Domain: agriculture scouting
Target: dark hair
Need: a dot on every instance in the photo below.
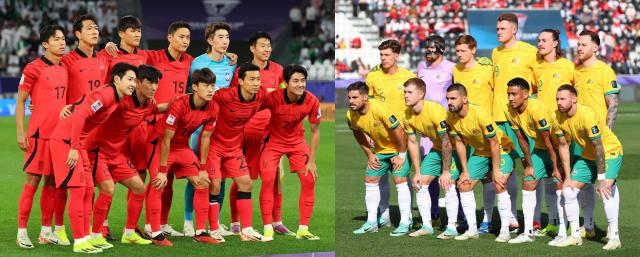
(149, 73)
(555, 35)
(437, 42)
(174, 26)
(212, 28)
(569, 88)
(594, 36)
(246, 67)
(419, 83)
(77, 25)
(204, 75)
(359, 86)
(253, 39)
(518, 82)
(49, 31)
(121, 68)
(457, 87)
(291, 69)
(510, 17)
(467, 40)
(393, 44)
(129, 22)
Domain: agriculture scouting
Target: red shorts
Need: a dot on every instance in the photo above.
(79, 176)
(135, 147)
(110, 166)
(182, 162)
(254, 141)
(37, 158)
(298, 156)
(227, 165)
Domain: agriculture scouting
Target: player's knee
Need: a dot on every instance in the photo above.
(529, 185)
(32, 179)
(214, 188)
(371, 179)
(138, 188)
(399, 180)
(49, 181)
(106, 187)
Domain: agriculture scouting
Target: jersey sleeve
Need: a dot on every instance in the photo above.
(98, 101)
(209, 125)
(28, 79)
(175, 112)
(386, 116)
(315, 113)
(369, 82)
(153, 56)
(541, 119)
(557, 129)
(590, 125)
(408, 128)
(234, 80)
(610, 85)
(450, 128)
(350, 123)
(489, 127)
(440, 116)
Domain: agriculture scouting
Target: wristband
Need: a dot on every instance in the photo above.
(164, 169)
(600, 176)
(204, 167)
(403, 155)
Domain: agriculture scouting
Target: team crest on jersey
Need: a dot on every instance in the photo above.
(542, 122)
(171, 119)
(95, 106)
(392, 119)
(475, 81)
(443, 124)
(515, 60)
(589, 81)
(227, 76)
(438, 76)
(614, 84)
(556, 75)
(595, 129)
(490, 128)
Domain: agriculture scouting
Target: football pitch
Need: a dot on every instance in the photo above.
(322, 222)
(351, 213)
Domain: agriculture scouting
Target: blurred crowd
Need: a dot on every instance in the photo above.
(313, 27)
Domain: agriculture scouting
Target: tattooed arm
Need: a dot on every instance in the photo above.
(612, 109)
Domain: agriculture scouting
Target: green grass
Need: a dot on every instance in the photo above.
(351, 213)
(322, 222)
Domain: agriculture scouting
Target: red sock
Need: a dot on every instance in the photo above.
(232, 202)
(214, 212)
(61, 204)
(201, 207)
(245, 209)
(25, 203)
(88, 209)
(167, 197)
(266, 196)
(307, 191)
(76, 211)
(47, 204)
(277, 203)
(134, 208)
(154, 206)
(100, 208)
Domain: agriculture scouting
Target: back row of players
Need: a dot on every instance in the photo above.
(104, 117)
(524, 103)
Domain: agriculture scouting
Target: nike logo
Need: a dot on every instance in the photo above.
(83, 70)
(231, 110)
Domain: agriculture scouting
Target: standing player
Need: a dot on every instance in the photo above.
(600, 163)
(532, 122)
(43, 80)
(470, 126)
(386, 87)
(429, 119)
(69, 153)
(290, 107)
(373, 119)
(170, 153)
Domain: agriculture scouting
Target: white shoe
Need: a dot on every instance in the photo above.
(224, 231)
(503, 237)
(556, 240)
(169, 231)
(23, 241)
(570, 241)
(250, 234)
(48, 238)
(217, 235)
(522, 238)
(147, 230)
(188, 230)
(467, 235)
(612, 245)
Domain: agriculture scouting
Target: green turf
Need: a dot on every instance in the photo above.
(322, 221)
(351, 213)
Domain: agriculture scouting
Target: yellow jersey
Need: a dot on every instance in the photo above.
(475, 129)
(535, 119)
(593, 84)
(377, 123)
(509, 64)
(431, 122)
(548, 77)
(388, 89)
(583, 127)
(478, 80)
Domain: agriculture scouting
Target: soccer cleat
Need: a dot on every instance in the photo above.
(282, 230)
(249, 234)
(61, 234)
(513, 228)
(522, 238)
(142, 234)
(235, 229)
(503, 237)
(85, 247)
(464, 226)
(205, 238)
(46, 238)
(423, 231)
(367, 227)
(449, 233)
(147, 231)
(24, 241)
(536, 225)
(584, 233)
(548, 230)
(217, 235)
(570, 241)
(168, 230)
(304, 234)
(100, 242)
(188, 230)
(134, 238)
(268, 234)
(106, 233)
(467, 235)
(556, 240)
(384, 222)
(612, 245)
(160, 240)
(401, 230)
(224, 231)
(484, 228)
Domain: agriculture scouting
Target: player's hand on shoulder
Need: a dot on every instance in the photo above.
(112, 49)
(65, 112)
(233, 58)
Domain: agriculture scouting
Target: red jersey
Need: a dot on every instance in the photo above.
(86, 73)
(235, 113)
(270, 78)
(46, 84)
(175, 73)
(88, 113)
(184, 118)
(135, 58)
(112, 134)
(286, 122)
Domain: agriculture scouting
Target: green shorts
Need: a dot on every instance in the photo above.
(575, 152)
(542, 165)
(479, 166)
(432, 165)
(386, 166)
(517, 153)
(586, 171)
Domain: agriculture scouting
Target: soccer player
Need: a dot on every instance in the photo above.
(69, 153)
(550, 72)
(429, 119)
(44, 80)
(513, 58)
(471, 126)
(532, 122)
(290, 107)
(600, 163)
(378, 122)
(171, 154)
(386, 87)
(224, 157)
